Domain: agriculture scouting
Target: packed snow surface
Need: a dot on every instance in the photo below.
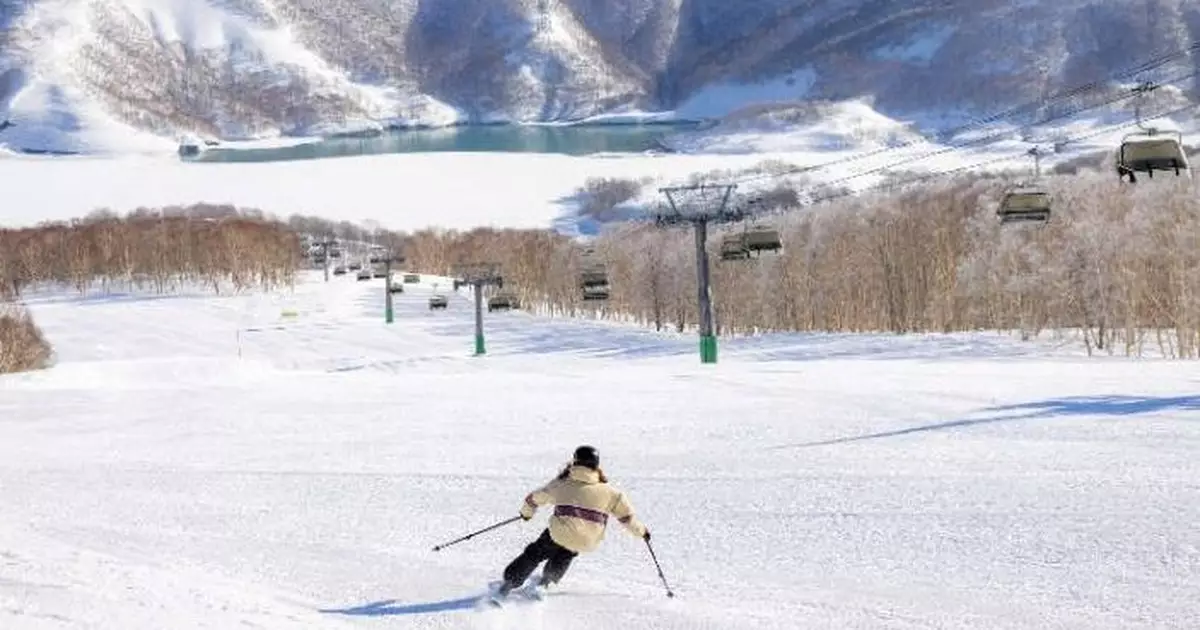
(412, 191)
(290, 460)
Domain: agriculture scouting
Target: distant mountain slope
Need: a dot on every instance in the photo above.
(82, 74)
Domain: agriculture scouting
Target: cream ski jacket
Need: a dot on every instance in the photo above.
(582, 505)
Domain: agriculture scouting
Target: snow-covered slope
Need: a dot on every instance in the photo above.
(442, 190)
(200, 462)
(517, 190)
(798, 128)
(79, 74)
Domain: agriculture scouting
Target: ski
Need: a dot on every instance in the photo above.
(530, 592)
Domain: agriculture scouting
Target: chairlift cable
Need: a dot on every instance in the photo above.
(1029, 107)
(975, 143)
(976, 165)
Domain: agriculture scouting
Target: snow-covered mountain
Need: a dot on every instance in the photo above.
(78, 74)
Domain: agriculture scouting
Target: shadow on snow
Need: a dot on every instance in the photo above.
(523, 333)
(1105, 405)
(389, 607)
(1118, 406)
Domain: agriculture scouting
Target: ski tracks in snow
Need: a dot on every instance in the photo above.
(45, 583)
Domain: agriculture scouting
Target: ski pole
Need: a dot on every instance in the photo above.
(474, 534)
(659, 567)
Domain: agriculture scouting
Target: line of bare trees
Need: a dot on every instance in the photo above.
(211, 246)
(1119, 264)
(215, 246)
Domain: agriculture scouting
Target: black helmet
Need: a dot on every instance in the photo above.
(587, 456)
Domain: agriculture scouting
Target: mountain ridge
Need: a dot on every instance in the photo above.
(89, 74)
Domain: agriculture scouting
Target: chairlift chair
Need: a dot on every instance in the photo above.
(596, 293)
(502, 302)
(593, 276)
(733, 247)
(1025, 205)
(1028, 202)
(762, 238)
(1152, 150)
(593, 279)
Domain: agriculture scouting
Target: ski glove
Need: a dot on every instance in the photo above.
(646, 536)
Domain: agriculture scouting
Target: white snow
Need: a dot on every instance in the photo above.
(44, 101)
(202, 462)
(52, 112)
(523, 190)
(271, 143)
(797, 127)
(468, 190)
(628, 116)
(715, 101)
(921, 48)
(401, 191)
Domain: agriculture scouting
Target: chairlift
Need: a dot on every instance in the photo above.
(1028, 202)
(1152, 150)
(596, 293)
(761, 238)
(1025, 205)
(593, 276)
(733, 247)
(502, 302)
(593, 279)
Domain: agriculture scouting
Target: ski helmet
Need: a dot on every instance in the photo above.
(587, 456)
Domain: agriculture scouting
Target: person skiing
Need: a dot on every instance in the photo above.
(583, 501)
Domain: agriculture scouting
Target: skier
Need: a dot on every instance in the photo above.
(583, 501)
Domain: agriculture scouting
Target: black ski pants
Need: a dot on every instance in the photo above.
(544, 549)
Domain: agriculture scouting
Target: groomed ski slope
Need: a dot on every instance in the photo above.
(155, 479)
